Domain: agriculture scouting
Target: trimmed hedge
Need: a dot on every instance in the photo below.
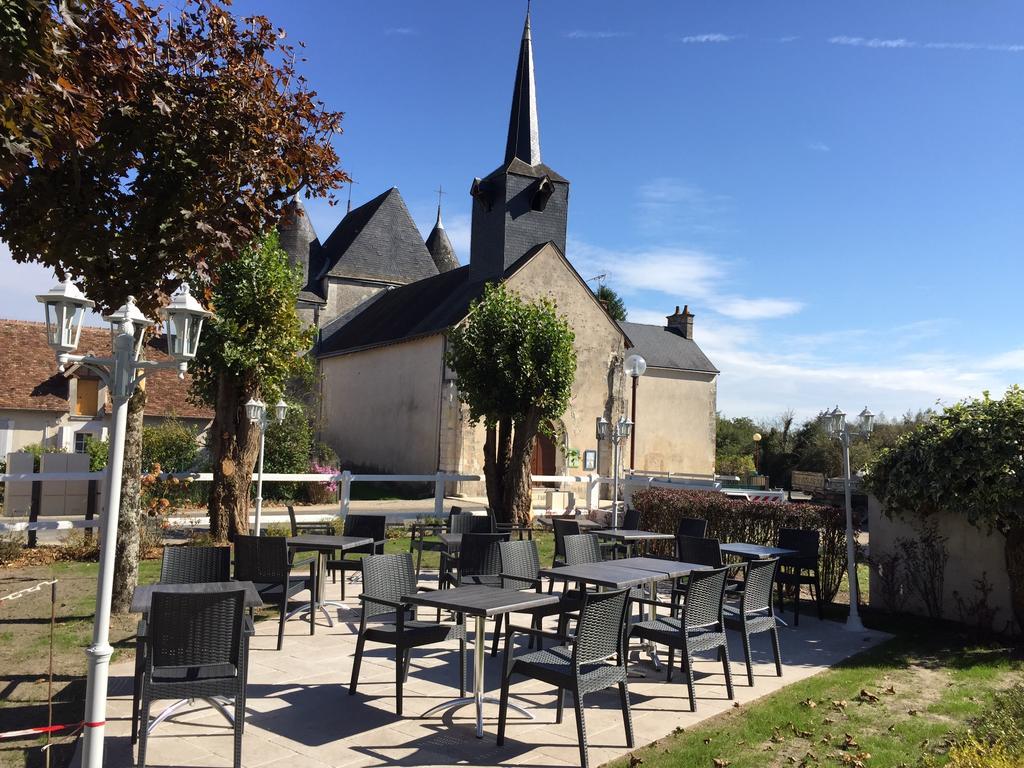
(756, 522)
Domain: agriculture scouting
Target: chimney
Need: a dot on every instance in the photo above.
(681, 322)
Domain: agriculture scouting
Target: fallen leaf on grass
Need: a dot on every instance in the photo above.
(891, 728)
(849, 742)
(736, 705)
(867, 696)
(913, 712)
(635, 761)
(839, 705)
(809, 703)
(776, 738)
(707, 740)
(827, 721)
(720, 763)
(891, 690)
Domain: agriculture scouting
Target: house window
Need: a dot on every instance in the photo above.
(81, 438)
(87, 397)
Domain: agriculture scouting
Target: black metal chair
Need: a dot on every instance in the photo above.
(180, 565)
(195, 565)
(264, 561)
(196, 648)
(477, 562)
(419, 532)
(520, 569)
(793, 569)
(583, 548)
(694, 549)
(467, 523)
(755, 612)
(365, 526)
(561, 529)
(386, 580)
(692, 526)
(701, 627)
(581, 666)
(297, 529)
(630, 522)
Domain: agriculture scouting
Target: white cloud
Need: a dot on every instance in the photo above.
(819, 146)
(756, 309)
(592, 34)
(1006, 361)
(902, 42)
(788, 38)
(401, 31)
(713, 37)
(670, 206)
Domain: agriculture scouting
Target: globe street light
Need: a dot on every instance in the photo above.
(835, 424)
(64, 307)
(757, 450)
(256, 411)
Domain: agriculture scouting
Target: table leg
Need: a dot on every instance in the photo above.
(652, 614)
(478, 699)
(217, 702)
(317, 601)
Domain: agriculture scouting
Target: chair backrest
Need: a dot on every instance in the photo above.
(563, 528)
(467, 523)
(600, 631)
(806, 541)
(631, 520)
(389, 577)
(757, 586)
(192, 629)
(479, 554)
(692, 526)
(195, 565)
(705, 594)
(691, 549)
(368, 526)
(519, 558)
(583, 548)
(291, 520)
(261, 559)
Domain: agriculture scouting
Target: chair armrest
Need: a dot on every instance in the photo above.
(517, 629)
(648, 601)
(426, 589)
(396, 604)
(536, 583)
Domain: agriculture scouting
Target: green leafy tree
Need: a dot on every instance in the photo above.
(252, 348)
(289, 446)
(172, 444)
(142, 148)
(515, 363)
(611, 301)
(966, 461)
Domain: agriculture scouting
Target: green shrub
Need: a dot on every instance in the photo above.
(756, 522)
(11, 545)
(287, 449)
(37, 450)
(98, 451)
(172, 445)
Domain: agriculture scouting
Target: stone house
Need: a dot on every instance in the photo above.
(384, 301)
(61, 410)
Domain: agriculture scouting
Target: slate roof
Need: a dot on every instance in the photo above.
(29, 379)
(440, 247)
(376, 241)
(663, 347)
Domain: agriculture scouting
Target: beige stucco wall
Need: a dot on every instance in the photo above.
(380, 406)
(675, 421)
(972, 552)
(343, 296)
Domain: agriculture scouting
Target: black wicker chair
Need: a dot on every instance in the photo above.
(692, 526)
(693, 549)
(797, 570)
(630, 522)
(195, 565)
(467, 523)
(755, 613)
(196, 649)
(366, 526)
(582, 668)
(386, 580)
(520, 569)
(701, 628)
(561, 529)
(180, 565)
(418, 537)
(583, 548)
(264, 561)
(477, 562)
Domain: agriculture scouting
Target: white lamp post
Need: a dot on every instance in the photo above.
(65, 307)
(616, 433)
(835, 424)
(256, 410)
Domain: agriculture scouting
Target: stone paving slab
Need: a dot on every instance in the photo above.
(300, 712)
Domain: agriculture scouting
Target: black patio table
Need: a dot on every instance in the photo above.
(631, 536)
(142, 597)
(453, 541)
(755, 551)
(481, 603)
(323, 545)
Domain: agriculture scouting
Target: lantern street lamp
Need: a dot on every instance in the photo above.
(121, 373)
(835, 424)
(256, 411)
(616, 433)
(757, 450)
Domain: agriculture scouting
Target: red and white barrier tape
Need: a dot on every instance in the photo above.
(48, 729)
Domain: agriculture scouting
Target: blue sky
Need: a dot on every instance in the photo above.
(835, 189)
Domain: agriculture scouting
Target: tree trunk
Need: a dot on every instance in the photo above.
(234, 449)
(1015, 570)
(126, 564)
(492, 472)
(517, 488)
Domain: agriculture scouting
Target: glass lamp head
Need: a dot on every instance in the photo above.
(129, 313)
(65, 307)
(867, 421)
(602, 428)
(184, 317)
(280, 410)
(635, 366)
(625, 427)
(255, 410)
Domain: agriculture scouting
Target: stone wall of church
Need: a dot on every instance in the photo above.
(381, 406)
(344, 297)
(675, 422)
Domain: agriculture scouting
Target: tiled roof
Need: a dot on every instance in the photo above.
(663, 347)
(29, 379)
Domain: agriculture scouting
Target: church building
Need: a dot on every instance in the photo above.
(384, 301)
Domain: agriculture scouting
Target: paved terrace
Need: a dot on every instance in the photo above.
(300, 713)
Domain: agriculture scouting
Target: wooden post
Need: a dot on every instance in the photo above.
(33, 513)
(90, 507)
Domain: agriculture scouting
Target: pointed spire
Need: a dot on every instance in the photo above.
(523, 127)
(438, 244)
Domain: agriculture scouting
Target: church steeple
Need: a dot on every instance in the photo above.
(523, 128)
(440, 247)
